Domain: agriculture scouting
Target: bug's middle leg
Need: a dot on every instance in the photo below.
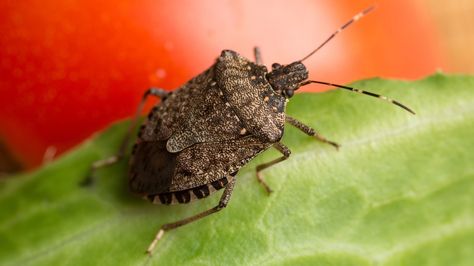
(286, 153)
(222, 204)
(310, 131)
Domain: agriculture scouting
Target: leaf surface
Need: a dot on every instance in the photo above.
(398, 192)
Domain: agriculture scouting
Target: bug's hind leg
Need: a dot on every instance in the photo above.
(310, 131)
(160, 93)
(170, 226)
(258, 55)
(286, 153)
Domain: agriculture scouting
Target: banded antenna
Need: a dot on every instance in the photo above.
(343, 27)
(360, 91)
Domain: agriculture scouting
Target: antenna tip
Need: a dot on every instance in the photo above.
(409, 110)
(365, 11)
(370, 8)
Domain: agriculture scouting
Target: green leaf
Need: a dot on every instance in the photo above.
(399, 192)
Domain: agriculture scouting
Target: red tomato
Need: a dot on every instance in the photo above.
(69, 68)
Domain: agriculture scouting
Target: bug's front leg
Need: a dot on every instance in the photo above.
(310, 131)
(222, 204)
(286, 153)
(160, 93)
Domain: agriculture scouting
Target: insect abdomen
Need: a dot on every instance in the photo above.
(189, 195)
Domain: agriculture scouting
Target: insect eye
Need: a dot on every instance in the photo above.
(289, 93)
(276, 66)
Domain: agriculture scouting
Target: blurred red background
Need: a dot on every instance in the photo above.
(69, 68)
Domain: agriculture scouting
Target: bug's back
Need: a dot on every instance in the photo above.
(197, 135)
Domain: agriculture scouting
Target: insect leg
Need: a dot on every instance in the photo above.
(286, 153)
(115, 158)
(258, 55)
(222, 204)
(309, 131)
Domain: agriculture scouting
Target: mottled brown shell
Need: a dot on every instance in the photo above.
(208, 128)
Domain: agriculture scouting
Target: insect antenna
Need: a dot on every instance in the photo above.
(359, 91)
(352, 20)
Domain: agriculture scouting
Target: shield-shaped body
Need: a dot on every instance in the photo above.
(201, 134)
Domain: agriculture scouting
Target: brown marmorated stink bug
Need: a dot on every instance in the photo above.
(198, 137)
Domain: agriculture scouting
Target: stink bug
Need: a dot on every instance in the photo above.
(198, 137)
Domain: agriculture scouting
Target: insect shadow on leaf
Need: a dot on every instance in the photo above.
(195, 140)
